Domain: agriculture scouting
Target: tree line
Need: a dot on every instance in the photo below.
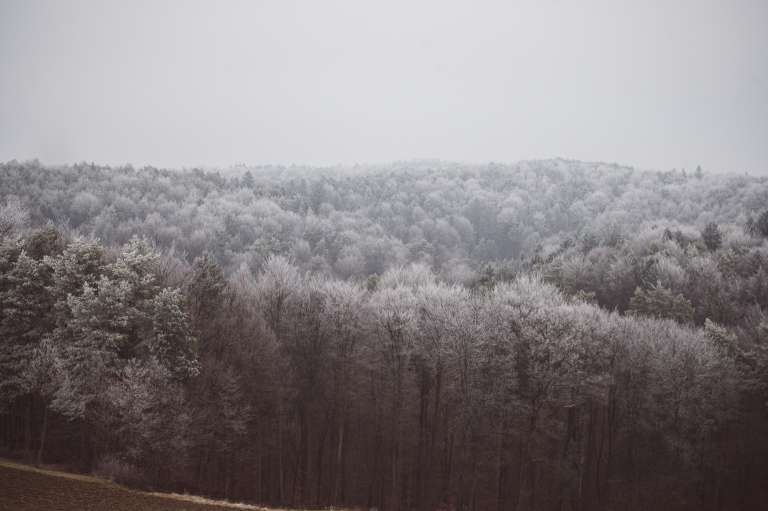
(397, 392)
(360, 221)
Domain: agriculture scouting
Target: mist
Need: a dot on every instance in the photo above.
(428, 256)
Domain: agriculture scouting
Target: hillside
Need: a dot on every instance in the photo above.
(425, 336)
(25, 488)
(360, 221)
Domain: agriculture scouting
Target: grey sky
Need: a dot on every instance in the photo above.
(654, 84)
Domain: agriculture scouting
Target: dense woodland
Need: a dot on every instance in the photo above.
(549, 335)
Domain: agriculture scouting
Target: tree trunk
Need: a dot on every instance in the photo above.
(525, 447)
(393, 495)
(319, 461)
(303, 460)
(83, 455)
(522, 457)
(227, 476)
(28, 429)
(339, 483)
(585, 486)
(43, 431)
(418, 489)
(609, 455)
(435, 425)
(500, 504)
(280, 463)
(259, 461)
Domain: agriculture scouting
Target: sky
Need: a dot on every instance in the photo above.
(653, 84)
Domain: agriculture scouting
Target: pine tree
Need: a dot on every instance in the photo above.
(90, 346)
(712, 237)
(81, 262)
(26, 316)
(761, 224)
(171, 342)
(121, 319)
(207, 288)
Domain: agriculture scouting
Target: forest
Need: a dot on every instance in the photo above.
(423, 335)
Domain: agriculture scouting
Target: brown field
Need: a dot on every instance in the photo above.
(25, 488)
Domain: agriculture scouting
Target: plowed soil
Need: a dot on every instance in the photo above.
(24, 488)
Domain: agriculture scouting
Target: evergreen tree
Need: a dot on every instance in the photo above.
(25, 307)
(171, 342)
(712, 237)
(759, 227)
(206, 288)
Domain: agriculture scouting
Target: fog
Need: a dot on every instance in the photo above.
(390, 256)
(658, 85)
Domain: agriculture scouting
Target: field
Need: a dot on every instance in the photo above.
(24, 488)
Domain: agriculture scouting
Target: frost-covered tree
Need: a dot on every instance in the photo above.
(758, 226)
(13, 217)
(295, 338)
(171, 341)
(712, 236)
(25, 317)
(661, 303)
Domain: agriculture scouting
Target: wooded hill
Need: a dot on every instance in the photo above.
(593, 337)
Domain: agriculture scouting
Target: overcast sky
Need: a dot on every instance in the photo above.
(657, 85)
